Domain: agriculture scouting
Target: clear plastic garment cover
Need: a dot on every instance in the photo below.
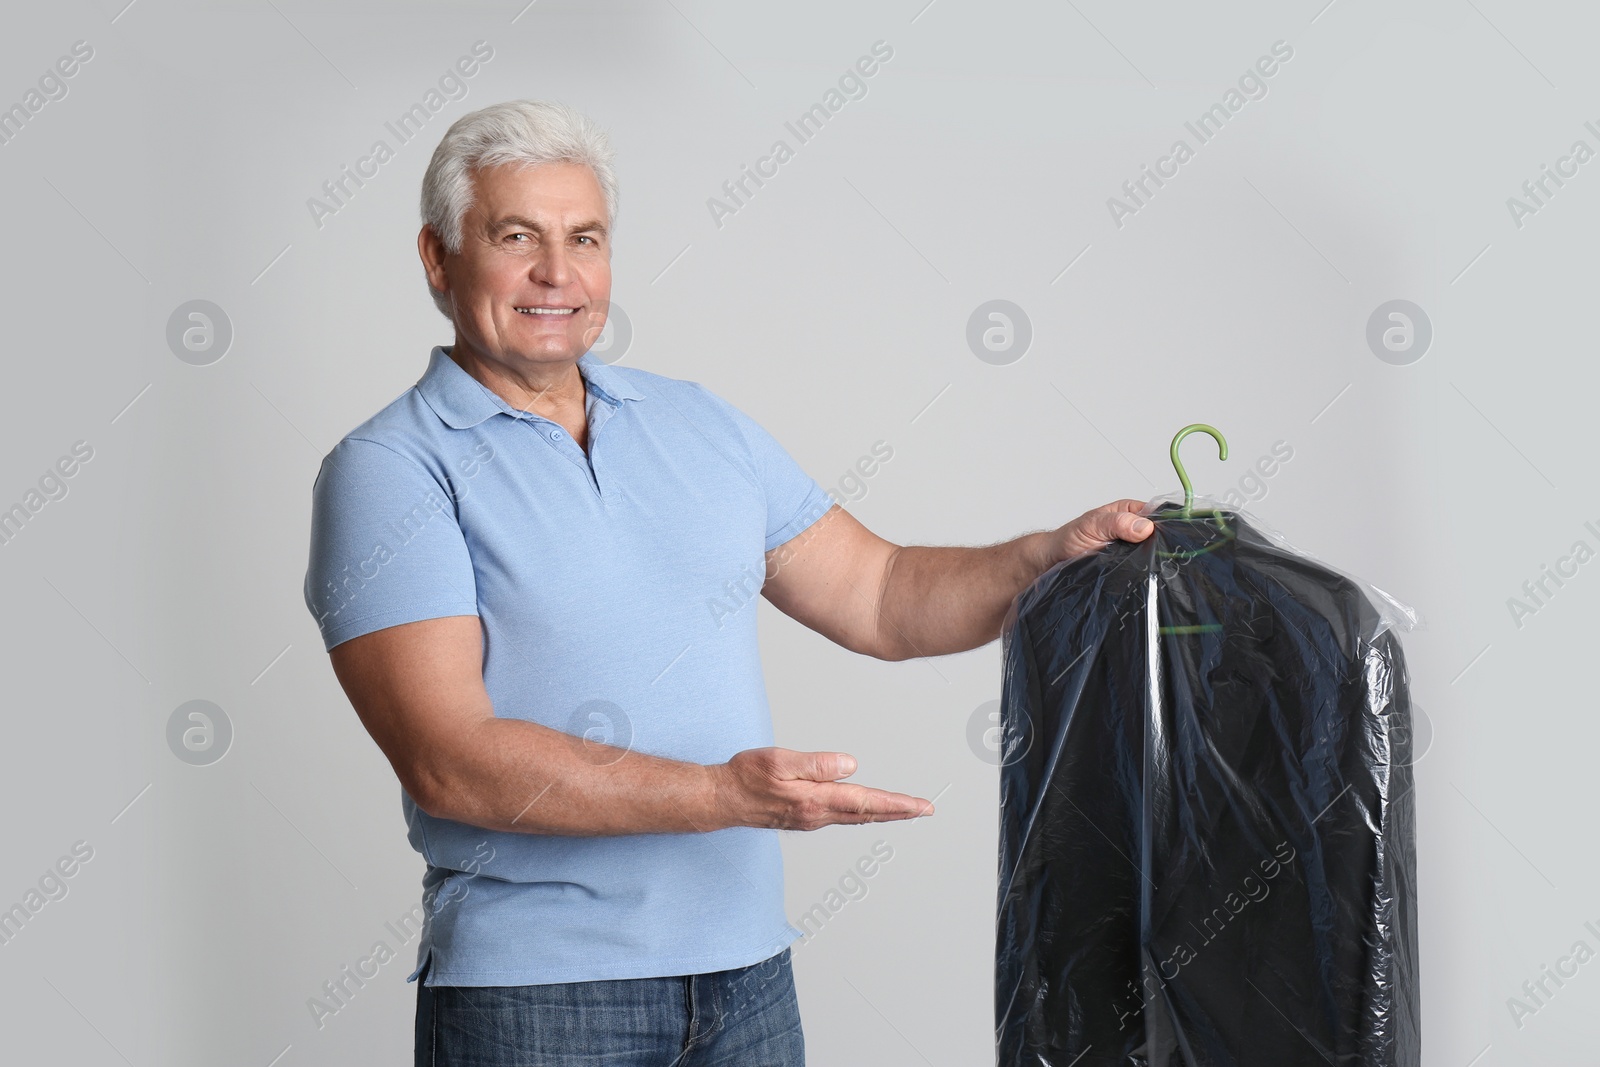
(1207, 842)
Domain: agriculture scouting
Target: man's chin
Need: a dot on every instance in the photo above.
(545, 349)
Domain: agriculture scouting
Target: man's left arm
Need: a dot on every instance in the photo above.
(897, 602)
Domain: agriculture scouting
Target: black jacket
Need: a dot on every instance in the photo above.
(1207, 846)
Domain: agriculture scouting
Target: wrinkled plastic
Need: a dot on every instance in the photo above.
(1207, 842)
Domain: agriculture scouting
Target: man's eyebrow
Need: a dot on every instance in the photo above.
(522, 222)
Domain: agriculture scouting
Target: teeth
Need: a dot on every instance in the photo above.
(546, 311)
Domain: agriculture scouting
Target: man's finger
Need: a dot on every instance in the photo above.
(822, 766)
(1104, 526)
(865, 804)
(1131, 527)
(1125, 521)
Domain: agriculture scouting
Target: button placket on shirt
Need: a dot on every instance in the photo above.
(598, 413)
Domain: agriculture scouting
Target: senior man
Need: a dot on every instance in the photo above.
(510, 567)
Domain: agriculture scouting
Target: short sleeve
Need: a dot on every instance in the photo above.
(794, 499)
(385, 545)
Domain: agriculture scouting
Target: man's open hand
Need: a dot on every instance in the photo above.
(778, 788)
(1093, 530)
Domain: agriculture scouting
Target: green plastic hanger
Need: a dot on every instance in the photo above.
(1183, 475)
(1188, 511)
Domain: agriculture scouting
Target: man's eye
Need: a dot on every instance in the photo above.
(586, 237)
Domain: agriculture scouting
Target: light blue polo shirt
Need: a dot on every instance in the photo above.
(617, 597)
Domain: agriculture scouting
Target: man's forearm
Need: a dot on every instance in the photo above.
(523, 777)
(937, 600)
(581, 789)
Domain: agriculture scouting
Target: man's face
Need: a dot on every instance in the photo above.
(534, 238)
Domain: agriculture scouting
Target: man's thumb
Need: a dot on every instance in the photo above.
(836, 765)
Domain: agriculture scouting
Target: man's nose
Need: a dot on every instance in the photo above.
(551, 266)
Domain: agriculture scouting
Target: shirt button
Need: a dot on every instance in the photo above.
(555, 435)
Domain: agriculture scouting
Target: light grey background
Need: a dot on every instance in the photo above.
(833, 307)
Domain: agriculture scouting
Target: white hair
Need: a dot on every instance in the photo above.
(526, 132)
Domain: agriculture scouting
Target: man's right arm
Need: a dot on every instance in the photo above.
(418, 688)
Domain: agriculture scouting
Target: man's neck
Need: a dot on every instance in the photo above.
(549, 389)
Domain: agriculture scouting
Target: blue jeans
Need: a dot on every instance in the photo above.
(745, 1017)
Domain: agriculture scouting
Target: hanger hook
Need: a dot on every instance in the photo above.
(1183, 475)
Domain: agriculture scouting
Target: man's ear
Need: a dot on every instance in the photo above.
(432, 251)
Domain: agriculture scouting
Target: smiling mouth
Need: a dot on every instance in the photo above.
(548, 312)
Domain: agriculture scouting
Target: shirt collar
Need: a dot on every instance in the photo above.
(461, 400)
